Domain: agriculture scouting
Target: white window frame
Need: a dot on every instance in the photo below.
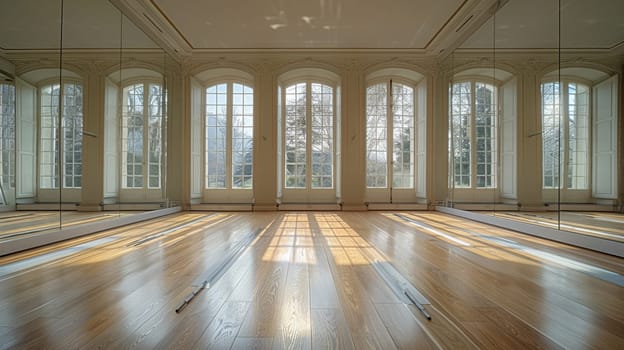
(568, 194)
(308, 194)
(51, 194)
(8, 150)
(227, 193)
(391, 193)
(145, 193)
(472, 192)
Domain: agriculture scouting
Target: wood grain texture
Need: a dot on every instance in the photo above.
(330, 330)
(403, 327)
(294, 320)
(246, 343)
(223, 329)
(307, 283)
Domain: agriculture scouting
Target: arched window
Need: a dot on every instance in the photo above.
(309, 136)
(308, 147)
(565, 135)
(60, 146)
(473, 124)
(229, 128)
(141, 135)
(390, 135)
(7, 140)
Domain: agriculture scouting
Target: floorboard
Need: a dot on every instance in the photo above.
(307, 282)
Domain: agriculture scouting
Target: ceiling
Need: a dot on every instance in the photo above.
(425, 26)
(533, 24)
(36, 24)
(275, 24)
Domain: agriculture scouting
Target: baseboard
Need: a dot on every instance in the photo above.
(309, 206)
(47, 206)
(131, 206)
(223, 207)
(396, 206)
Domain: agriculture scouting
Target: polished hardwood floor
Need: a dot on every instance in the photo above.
(307, 282)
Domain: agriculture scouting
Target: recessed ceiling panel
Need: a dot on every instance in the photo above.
(308, 24)
(533, 24)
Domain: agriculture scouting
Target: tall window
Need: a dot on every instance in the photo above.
(7, 138)
(309, 136)
(229, 136)
(141, 135)
(389, 138)
(473, 134)
(565, 135)
(67, 141)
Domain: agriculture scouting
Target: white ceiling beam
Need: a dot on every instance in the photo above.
(464, 23)
(145, 15)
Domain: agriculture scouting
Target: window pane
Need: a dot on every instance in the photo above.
(551, 128)
(49, 105)
(322, 135)
(578, 136)
(132, 135)
(7, 136)
(485, 130)
(403, 136)
(461, 124)
(376, 136)
(154, 135)
(295, 136)
(242, 136)
(72, 133)
(216, 134)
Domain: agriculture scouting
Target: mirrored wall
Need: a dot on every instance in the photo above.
(535, 120)
(83, 118)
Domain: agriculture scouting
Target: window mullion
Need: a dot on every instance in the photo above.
(308, 135)
(389, 136)
(282, 139)
(565, 137)
(145, 146)
(473, 136)
(60, 137)
(203, 166)
(228, 137)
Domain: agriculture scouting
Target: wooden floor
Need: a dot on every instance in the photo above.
(306, 282)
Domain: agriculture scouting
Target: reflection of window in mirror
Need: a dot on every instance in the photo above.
(141, 136)
(7, 140)
(579, 135)
(565, 135)
(473, 140)
(66, 100)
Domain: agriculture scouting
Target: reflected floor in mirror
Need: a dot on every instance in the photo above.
(311, 280)
(604, 225)
(16, 223)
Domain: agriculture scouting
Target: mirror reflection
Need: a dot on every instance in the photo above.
(82, 117)
(533, 119)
